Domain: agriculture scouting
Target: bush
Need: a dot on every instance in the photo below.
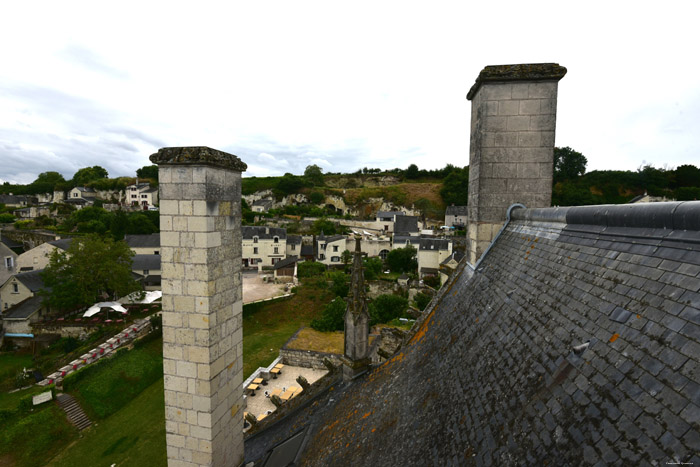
(432, 281)
(6, 218)
(373, 267)
(332, 318)
(387, 307)
(422, 300)
(340, 286)
(310, 269)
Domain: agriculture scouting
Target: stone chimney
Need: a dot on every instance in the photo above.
(356, 358)
(511, 147)
(200, 192)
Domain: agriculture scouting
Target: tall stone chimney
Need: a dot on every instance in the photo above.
(200, 205)
(511, 146)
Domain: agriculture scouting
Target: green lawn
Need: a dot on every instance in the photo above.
(10, 400)
(12, 363)
(133, 436)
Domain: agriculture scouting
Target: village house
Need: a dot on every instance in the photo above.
(144, 244)
(286, 270)
(32, 212)
(263, 246)
(293, 245)
(386, 219)
(82, 192)
(142, 195)
(17, 201)
(21, 306)
(8, 267)
(329, 249)
(147, 269)
(262, 205)
(38, 257)
(432, 252)
(449, 265)
(370, 245)
(456, 216)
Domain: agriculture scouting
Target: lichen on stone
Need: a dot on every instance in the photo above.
(198, 155)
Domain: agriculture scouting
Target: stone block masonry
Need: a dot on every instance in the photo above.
(200, 193)
(511, 148)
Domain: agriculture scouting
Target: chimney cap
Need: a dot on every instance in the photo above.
(520, 72)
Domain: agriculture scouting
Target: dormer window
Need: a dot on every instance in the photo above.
(276, 240)
(255, 239)
(15, 288)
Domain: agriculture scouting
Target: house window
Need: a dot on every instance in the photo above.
(15, 288)
(156, 252)
(383, 254)
(75, 195)
(9, 262)
(276, 240)
(255, 250)
(323, 247)
(335, 259)
(294, 247)
(145, 272)
(277, 250)
(255, 239)
(144, 196)
(253, 261)
(134, 196)
(321, 256)
(335, 247)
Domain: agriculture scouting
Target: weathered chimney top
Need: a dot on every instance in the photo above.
(522, 72)
(198, 155)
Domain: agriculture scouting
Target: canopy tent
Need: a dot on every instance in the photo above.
(148, 297)
(97, 307)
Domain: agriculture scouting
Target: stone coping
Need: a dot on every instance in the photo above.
(521, 72)
(198, 155)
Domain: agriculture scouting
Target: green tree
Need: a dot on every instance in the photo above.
(89, 174)
(373, 267)
(325, 226)
(310, 269)
(387, 307)
(568, 164)
(148, 171)
(317, 197)
(455, 187)
(91, 269)
(289, 184)
(119, 225)
(422, 300)
(687, 175)
(314, 174)
(47, 182)
(140, 224)
(346, 257)
(6, 218)
(402, 259)
(332, 318)
(340, 285)
(412, 171)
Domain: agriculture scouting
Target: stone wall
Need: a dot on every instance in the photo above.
(307, 358)
(29, 238)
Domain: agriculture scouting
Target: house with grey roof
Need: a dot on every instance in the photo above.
(406, 226)
(144, 244)
(84, 193)
(263, 246)
(21, 305)
(456, 216)
(141, 194)
(329, 249)
(261, 205)
(294, 245)
(431, 253)
(38, 257)
(8, 264)
(147, 267)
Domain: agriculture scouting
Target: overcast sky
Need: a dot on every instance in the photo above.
(341, 85)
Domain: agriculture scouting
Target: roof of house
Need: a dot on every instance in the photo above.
(10, 243)
(456, 255)
(262, 202)
(62, 243)
(143, 241)
(576, 341)
(285, 262)
(138, 186)
(456, 210)
(331, 238)
(85, 189)
(31, 279)
(76, 201)
(307, 250)
(23, 309)
(406, 224)
(390, 213)
(294, 239)
(145, 262)
(427, 244)
(400, 240)
(262, 232)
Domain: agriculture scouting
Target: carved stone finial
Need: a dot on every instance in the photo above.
(250, 418)
(276, 401)
(303, 382)
(198, 155)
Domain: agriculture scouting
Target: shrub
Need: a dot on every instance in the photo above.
(387, 307)
(422, 300)
(432, 281)
(340, 286)
(332, 318)
(310, 269)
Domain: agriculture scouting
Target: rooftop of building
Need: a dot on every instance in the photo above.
(23, 309)
(577, 340)
(143, 241)
(262, 232)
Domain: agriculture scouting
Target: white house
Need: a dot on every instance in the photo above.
(294, 245)
(263, 246)
(8, 267)
(432, 252)
(262, 205)
(144, 244)
(456, 216)
(329, 250)
(38, 257)
(142, 194)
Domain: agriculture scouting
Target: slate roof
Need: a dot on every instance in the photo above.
(387, 214)
(62, 243)
(294, 240)
(456, 255)
(285, 262)
(433, 244)
(456, 211)
(85, 189)
(143, 241)
(23, 309)
(262, 232)
(31, 279)
(332, 238)
(406, 224)
(400, 241)
(11, 243)
(265, 202)
(307, 250)
(576, 342)
(145, 262)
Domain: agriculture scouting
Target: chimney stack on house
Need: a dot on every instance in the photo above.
(513, 119)
(200, 237)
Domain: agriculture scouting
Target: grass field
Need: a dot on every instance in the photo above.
(133, 436)
(11, 363)
(310, 339)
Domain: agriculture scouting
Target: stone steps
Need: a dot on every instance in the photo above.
(73, 411)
